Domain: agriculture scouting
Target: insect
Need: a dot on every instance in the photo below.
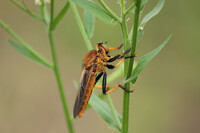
(94, 64)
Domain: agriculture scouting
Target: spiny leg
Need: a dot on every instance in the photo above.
(112, 67)
(98, 77)
(116, 48)
(118, 85)
(105, 88)
(119, 56)
(100, 87)
(104, 83)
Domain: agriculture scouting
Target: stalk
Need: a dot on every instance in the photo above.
(57, 73)
(129, 63)
(23, 43)
(81, 27)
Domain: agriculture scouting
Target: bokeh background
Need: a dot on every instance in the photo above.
(167, 96)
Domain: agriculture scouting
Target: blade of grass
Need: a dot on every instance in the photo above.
(104, 111)
(105, 6)
(27, 53)
(60, 15)
(24, 44)
(96, 10)
(152, 13)
(88, 22)
(145, 60)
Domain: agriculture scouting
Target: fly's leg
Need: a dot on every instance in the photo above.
(104, 83)
(112, 67)
(98, 77)
(118, 86)
(119, 56)
(104, 87)
(117, 48)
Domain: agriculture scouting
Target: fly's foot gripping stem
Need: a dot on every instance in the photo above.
(118, 86)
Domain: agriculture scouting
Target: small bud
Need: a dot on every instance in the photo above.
(128, 19)
(39, 2)
(141, 28)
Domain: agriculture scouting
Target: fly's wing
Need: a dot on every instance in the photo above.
(82, 89)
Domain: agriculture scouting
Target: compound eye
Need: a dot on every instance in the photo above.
(106, 48)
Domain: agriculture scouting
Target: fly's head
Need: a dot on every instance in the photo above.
(103, 48)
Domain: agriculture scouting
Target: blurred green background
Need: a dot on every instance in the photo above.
(167, 95)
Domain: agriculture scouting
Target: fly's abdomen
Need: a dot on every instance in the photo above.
(87, 95)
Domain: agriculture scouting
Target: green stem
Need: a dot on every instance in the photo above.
(128, 66)
(130, 8)
(134, 38)
(113, 110)
(57, 73)
(125, 116)
(103, 4)
(25, 9)
(60, 86)
(81, 27)
(14, 35)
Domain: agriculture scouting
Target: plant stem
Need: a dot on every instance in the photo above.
(23, 43)
(128, 68)
(60, 86)
(25, 9)
(125, 116)
(134, 38)
(81, 27)
(57, 73)
(130, 7)
(113, 110)
(103, 4)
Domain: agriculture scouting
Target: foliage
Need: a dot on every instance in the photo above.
(102, 11)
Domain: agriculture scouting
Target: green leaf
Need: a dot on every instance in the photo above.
(88, 23)
(134, 80)
(144, 2)
(24, 51)
(118, 72)
(60, 15)
(96, 10)
(145, 60)
(132, 11)
(101, 108)
(149, 16)
(104, 111)
(153, 13)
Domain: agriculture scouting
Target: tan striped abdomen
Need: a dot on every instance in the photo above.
(87, 94)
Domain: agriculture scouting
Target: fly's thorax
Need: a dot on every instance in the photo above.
(99, 65)
(89, 59)
(102, 55)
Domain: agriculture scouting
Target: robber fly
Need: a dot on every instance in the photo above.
(94, 64)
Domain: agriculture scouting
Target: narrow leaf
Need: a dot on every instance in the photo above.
(145, 60)
(96, 10)
(104, 111)
(144, 2)
(24, 51)
(149, 16)
(60, 15)
(134, 80)
(101, 108)
(89, 23)
(153, 13)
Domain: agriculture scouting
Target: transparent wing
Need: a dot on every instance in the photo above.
(82, 89)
